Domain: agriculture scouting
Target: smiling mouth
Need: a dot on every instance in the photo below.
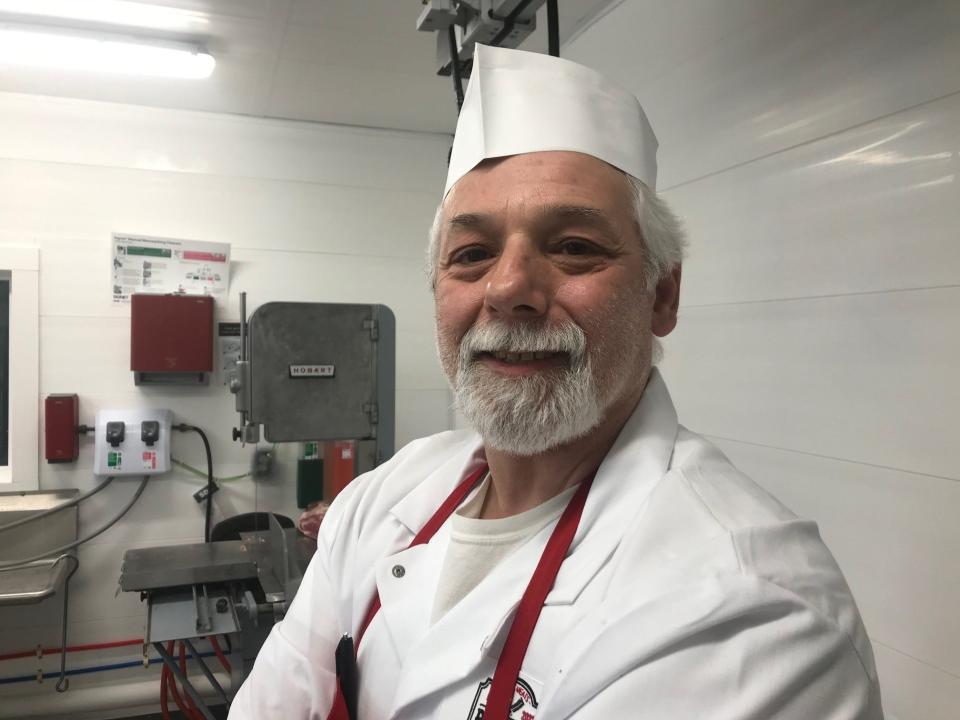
(516, 358)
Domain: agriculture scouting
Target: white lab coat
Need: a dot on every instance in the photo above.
(688, 592)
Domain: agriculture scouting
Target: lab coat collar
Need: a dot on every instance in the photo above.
(637, 461)
(418, 506)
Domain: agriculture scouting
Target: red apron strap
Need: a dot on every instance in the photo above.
(339, 710)
(528, 612)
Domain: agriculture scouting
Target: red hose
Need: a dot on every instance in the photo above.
(173, 683)
(72, 648)
(164, 708)
(194, 714)
(181, 650)
(220, 655)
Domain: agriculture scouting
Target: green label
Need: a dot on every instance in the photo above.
(151, 252)
(113, 459)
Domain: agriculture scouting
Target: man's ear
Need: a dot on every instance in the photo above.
(665, 303)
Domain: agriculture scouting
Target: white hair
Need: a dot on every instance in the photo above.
(661, 232)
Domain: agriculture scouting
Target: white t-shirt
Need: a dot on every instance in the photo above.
(477, 546)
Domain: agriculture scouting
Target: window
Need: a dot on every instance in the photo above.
(19, 368)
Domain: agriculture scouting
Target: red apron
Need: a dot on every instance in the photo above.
(528, 612)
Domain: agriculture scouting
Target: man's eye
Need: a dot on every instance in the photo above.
(471, 255)
(575, 246)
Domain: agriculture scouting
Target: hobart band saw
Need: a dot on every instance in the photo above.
(307, 371)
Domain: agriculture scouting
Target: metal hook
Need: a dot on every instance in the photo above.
(63, 684)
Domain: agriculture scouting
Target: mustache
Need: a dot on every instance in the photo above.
(567, 338)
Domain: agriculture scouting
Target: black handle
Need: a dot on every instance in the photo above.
(346, 659)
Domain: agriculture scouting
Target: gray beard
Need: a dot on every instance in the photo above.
(527, 415)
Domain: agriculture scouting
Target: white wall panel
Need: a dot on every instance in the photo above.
(913, 690)
(870, 209)
(870, 378)
(727, 82)
(893, 533)
(71, 202)
(127, 136)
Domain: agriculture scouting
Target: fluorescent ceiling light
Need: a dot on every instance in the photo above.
(119, 54)
(111, 12)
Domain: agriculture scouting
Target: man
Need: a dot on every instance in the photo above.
(581, 555)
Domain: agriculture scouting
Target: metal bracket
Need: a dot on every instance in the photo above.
(240, 386)
(202, 605)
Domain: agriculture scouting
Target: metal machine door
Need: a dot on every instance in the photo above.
(321, 371)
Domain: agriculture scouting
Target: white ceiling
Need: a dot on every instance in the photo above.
(357, 62)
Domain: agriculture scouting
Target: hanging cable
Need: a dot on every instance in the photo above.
(553, 28)
(87, 538)
(62, 506)
(455, 65)
(183, 427)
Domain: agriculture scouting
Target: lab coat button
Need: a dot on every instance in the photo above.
(398, 571)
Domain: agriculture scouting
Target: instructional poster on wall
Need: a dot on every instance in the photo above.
(158, 265)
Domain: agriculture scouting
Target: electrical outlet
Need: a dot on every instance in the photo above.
(132, 442)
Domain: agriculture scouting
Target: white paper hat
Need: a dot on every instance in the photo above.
(520, 102)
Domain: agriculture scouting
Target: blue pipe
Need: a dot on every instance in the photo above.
(91, 669)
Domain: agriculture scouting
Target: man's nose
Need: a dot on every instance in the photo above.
(517, 286)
